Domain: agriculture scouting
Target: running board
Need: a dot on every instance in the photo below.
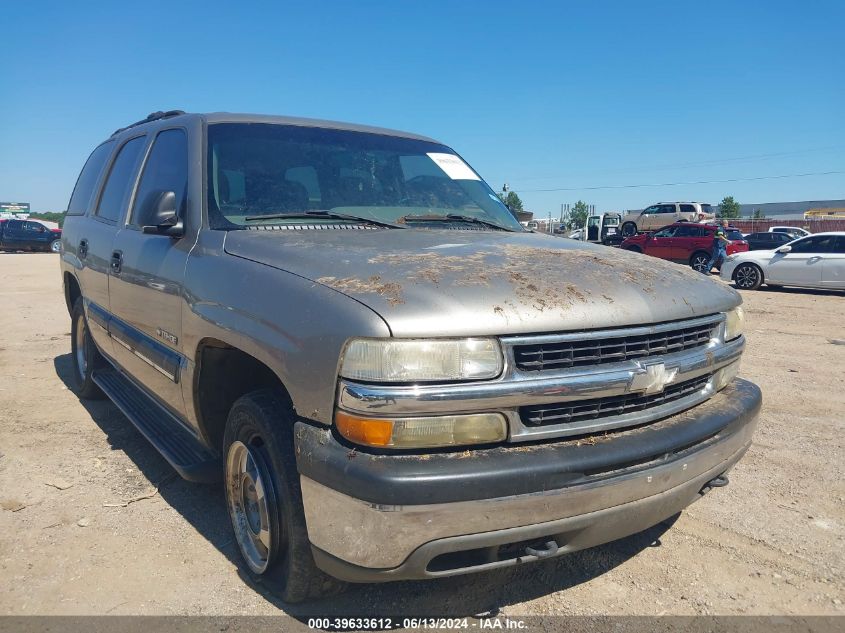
(177, 445)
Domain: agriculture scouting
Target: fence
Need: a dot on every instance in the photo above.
(814, 225)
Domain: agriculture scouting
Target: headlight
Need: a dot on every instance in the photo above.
(428, 432)
(734, 323)
(398, 360)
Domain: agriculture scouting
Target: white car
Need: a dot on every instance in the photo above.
(815, 261)
(794, 231)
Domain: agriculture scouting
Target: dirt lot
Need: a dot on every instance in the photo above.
(773, 542)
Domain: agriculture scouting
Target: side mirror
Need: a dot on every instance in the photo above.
(162, 212)
(784, 249)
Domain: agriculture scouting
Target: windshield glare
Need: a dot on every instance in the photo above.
(266, 169)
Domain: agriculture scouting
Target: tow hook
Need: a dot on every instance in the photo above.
(550, 550)
(717, 482)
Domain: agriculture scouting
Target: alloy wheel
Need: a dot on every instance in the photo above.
(249, 488)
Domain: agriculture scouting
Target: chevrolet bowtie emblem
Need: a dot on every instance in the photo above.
(652, 379)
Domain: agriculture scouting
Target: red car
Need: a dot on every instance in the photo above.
(685, 243)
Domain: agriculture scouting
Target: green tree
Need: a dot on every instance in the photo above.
(578, 215)
(758, 215)
(513, 201)
(49, 216)
(729, 208)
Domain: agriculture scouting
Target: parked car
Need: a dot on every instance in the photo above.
(662, 213)
(684, 243)
(815, 261)
(767, 241)
(793, 231)
(29, 235)
(393, 379)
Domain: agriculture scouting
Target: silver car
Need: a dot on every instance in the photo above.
(659, 215)
(391, 377)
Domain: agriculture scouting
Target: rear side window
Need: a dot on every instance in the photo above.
(687, 208)
(666, 208)
(166, 170)
(733, 234)
(88, 178)
(121, 177)
(839, 247)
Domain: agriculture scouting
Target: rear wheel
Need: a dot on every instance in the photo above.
(629, 229)
(699, 262)
(56, 246)
(265, 500)
(86, 356)
(748, 277)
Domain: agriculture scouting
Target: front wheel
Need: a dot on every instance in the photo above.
(700, 262)
(629, 229)
(86, 356)
(265, 500)
(748, 277)
(56, 246)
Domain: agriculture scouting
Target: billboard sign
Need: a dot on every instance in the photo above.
(10, 208)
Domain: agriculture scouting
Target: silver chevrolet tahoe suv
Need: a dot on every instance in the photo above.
(393, 379)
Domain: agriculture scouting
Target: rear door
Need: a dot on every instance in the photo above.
(802, 265)
(14, 235)
(96, 236)
(688, 239)
(833, 267)
(146, 287)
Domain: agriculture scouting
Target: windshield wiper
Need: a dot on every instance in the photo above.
(453, 217)
(321, 214)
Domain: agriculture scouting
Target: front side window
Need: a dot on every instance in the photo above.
(815, 244)
(669, 231)
(652, 209)
(116, 192)
(260, 170)
(166, 170)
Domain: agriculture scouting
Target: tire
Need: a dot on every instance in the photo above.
(264, 498)
(56, 246)
(85, 356)
(629, 229)
(699, 262)
(748, 276)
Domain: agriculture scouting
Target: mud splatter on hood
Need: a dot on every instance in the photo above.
(455, 283)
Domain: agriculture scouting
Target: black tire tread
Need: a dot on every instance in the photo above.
(84, 386)
(297, 578)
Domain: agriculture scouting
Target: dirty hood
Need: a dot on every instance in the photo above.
(458, 283)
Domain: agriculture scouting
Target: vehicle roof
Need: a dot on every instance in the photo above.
(234, 117)
(682, 202)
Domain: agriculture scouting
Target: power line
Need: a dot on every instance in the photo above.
(675, 184)
(704, 163)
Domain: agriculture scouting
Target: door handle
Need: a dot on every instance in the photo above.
(116, 262)
(83, 249)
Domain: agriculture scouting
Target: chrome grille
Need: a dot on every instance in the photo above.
(598, 408)
(598, 350)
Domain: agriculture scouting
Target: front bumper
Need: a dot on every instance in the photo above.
(390, 517)
(726, 272)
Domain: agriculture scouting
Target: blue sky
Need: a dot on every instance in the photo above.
(541, 95)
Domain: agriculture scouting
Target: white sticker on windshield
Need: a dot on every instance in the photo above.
(454, 167)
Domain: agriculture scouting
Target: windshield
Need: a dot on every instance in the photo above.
(257, 170)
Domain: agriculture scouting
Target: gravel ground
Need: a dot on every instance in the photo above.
(770, 543)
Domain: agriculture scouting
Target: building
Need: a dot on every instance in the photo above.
(788, 210)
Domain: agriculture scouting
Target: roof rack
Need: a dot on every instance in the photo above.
(155, 116)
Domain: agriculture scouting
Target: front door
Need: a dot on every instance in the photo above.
(660, 243)
(146, 287)
(833, 267)
(802, 265)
